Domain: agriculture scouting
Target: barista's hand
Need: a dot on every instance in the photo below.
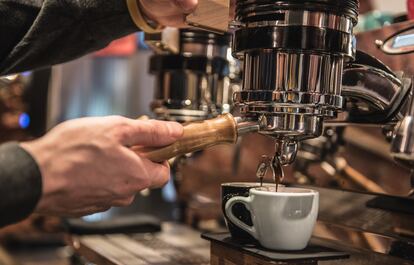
(168, 12)
(87, 166)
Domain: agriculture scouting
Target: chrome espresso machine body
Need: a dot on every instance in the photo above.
(302, 71)
(195, 75)
(294, 55)
(304, 78)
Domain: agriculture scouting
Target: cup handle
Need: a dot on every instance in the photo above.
(246, 202)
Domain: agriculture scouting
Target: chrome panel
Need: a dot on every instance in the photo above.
(209, 50)
(298, 127)
(280, 72)
(304, 18)
(187, 96)
(292, 87)
(402, 145)
(377, 223)
(293, 90)
(372, 95)
(6, 80)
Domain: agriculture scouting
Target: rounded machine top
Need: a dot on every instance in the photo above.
(255, 10)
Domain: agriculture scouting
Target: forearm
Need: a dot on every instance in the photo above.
(20, 184)
(49, 32)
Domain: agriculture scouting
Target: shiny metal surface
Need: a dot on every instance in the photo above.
(187, 96)
(288, 79)
(365, 248)
(402, 145)
(184, 92)
(208, 50)
(295, 91)
(402, 148)
(195, 42)
(250, 10)
(174, 41)
(372, 96)
(168, 41)
(245, 127)
(302, 18)
(377, 223)
(292, 126)
(291, 81)
(6, 80)
(286, 151)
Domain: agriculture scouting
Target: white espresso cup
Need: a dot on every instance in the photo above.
(282, 220)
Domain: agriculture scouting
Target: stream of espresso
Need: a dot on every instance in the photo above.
(278, 169)
(275, 167)
(277, 181)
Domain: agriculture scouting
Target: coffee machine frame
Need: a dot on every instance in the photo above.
(195, 75)
(302, 76)
(302, 72)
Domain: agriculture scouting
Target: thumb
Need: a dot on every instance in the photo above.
(187, 6)
(152, 133)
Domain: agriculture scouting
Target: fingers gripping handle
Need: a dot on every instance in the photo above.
(197, 136)
(229, 212)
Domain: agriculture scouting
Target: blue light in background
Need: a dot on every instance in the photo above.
(26, 74)
(141, 41)
(24, 120)
(169, 192)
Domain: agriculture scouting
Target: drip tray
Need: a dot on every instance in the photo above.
(311, 254)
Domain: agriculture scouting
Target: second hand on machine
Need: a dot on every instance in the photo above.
(201, 135)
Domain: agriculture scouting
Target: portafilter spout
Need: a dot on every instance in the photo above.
(199, 135)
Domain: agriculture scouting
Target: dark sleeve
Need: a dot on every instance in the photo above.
(20, 184)
(39, 33)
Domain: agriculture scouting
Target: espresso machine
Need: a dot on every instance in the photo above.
(195, 77)
(304, 83)
(195, 74)
(301, 71)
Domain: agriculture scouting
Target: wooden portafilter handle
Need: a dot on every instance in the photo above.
(201, 135)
